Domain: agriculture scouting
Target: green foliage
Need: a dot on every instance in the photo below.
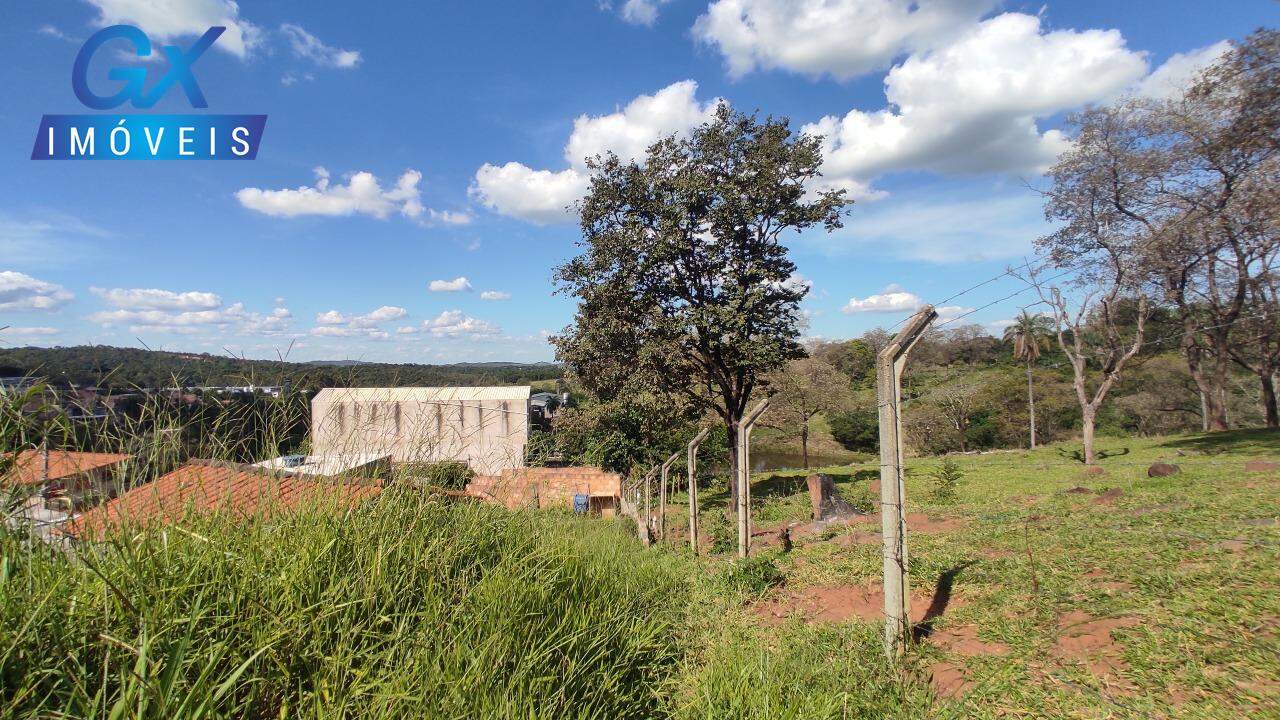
(126, 368)
(448, 474)
(684, 284)
(403, 606)
(753, 575)
(946, 480)
(856, 430)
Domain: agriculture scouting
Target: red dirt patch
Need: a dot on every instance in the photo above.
(921, 523)
(964, 641)
(1109, 497)
(1093, 470)
(1077, 490)
(1261, 466)
(1233, 546)
(948, 680)
(837, 603)
(1089, 640)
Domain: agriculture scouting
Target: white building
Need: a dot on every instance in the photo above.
(485, 427)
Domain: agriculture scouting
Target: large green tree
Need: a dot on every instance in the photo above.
(684, 283)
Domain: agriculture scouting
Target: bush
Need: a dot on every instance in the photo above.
(448, 474)
(945, 481)
(857, 430)
(754, 574)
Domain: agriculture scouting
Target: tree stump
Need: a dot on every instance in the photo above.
(825, 501)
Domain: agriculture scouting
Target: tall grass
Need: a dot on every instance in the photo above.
(404, 606)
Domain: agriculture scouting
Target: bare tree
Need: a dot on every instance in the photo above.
(804, 388)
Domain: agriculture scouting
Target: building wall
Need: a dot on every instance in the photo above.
(488, 434)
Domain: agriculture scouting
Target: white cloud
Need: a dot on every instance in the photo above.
(19, 291)
(406, 330)
(539, 196)
(332, 323)
(543, 196)
(165, 20)
(641, 12)
(840, 38)
(947, 313)
(940, 228)
(148, 309)
(972, 106)
(458, 284)
(309, 47)
(362, 194)
(495, 295)
(893, 299)
(449, 217)
(454, 323)
(152, 299)
(27, 332)
(1179, 72)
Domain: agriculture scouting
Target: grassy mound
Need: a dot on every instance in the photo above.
(402, 607)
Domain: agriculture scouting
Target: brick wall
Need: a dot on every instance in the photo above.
(549, 487)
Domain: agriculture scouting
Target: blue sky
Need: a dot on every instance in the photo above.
(415, 142)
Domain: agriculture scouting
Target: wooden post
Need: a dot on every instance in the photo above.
(693, 488)
(662, 497)
(744, 476)
(893, 519)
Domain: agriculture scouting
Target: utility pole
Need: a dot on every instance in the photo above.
(693, 488)
(745, 425)
(893, 519)
(662, 497)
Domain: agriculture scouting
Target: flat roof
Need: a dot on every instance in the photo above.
(425, 394)
(322, 465)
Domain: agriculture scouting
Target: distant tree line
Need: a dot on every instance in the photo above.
(127, 368)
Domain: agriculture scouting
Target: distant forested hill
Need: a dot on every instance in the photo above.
(107, 366)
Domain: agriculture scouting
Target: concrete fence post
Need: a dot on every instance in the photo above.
(693, 488)
(893, 520)
(745, 426)
(662, 496)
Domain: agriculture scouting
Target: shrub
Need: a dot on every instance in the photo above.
(448, 474)
(945, 481)
(754, 574)
(857, 430)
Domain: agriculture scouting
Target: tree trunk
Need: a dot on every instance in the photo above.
(1086, 432)
(732, 428)
(804, 442)
(1269, 399)
(1031, 405)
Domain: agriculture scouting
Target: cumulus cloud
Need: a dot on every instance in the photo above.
(362, 194)
(165, 20)
(495, 295)
(458, 284)
(544, 196)
(153, 299)
(19, 291)
(149, 309)
(840, 38)
(309, 47)
(972, 105)
(455, 323)
(893, 299)
(1179, 72)
(338, 324)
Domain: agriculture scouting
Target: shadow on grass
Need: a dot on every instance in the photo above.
(938, 605)
(1257, 441)
(1077, 455)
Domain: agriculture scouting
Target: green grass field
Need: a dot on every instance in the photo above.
(1141, 598)
(1146, 597)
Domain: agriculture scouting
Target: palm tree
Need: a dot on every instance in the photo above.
(1029, 334)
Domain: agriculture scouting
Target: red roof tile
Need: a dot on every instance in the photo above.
(206, 486)
(29, 468)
